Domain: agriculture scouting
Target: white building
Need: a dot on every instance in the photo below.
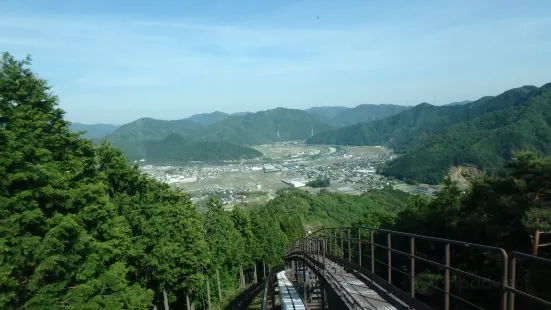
(294, 183)
(188, 180)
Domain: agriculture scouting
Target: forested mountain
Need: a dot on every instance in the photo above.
(176, 149)
(366, 113)
(208, 118)
(326, 112)
(262, 127)
(418, 122)
(246, 129)
(424, 127)
(93, 131)
(132, 136)
(486, 141)
(415, 122)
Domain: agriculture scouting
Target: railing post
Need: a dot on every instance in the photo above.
(504, 278)
(447, 279)
(317, 243)
(512, 283)
(304, 282)
(330, 241)
(342, 244)
(389, 258)
(412, 266)
(324, 241)
(359, 246)
(372, 237)
(349, 248)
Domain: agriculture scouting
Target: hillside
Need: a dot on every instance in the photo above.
(326, 112)
(208, 118)
(176, 149)
(486, 141)
(415, 122)
(93, 131)
(262, 127)
(411, 127)
(434, 138)
(130, 137)
(366, 113)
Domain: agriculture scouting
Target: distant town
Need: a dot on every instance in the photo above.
(351, 170)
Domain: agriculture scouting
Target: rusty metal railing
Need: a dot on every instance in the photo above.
(511, 288)
(314, 246)
(344, 241)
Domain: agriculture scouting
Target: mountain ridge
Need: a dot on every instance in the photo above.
(432, 139)
(366, 113)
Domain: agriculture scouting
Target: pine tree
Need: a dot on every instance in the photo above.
(61, 238)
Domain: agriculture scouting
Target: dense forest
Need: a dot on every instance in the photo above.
(80, 228)
(432, 139)
(487, 141)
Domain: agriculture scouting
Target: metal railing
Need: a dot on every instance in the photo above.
(511, 288)
(361, 240)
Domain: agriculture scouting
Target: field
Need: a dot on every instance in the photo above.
(364, 150)
(233, 182)
(268, 181)
(285, 151)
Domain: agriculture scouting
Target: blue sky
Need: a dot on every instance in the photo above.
(116, 61)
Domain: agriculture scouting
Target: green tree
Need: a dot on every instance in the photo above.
(60, 235)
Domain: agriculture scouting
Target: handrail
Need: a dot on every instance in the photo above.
(335, 237)
(511, 287)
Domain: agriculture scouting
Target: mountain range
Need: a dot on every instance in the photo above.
(230, 130)
(431, 139)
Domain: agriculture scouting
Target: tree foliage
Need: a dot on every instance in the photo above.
(81, 228)
(319, 183)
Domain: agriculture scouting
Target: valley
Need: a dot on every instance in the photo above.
(430, 140)
(351, 170)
